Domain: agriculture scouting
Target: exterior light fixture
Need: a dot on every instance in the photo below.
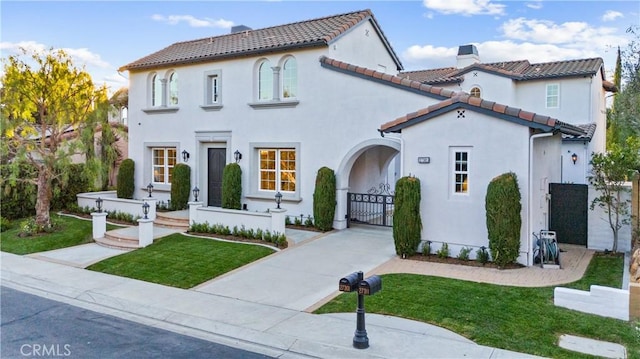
(237, 156)
(99, 204)
(574, 158)
(145, 209)
(185, 156)
(150, 189)
(278, 199)
(196, 192)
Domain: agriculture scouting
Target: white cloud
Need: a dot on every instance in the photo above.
(545, 31)
(80, 57)
(193, 21)
(14, 47)
(465, 7)
(535, 5)
(611, 15)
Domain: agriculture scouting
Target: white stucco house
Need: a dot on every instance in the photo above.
(293, 98)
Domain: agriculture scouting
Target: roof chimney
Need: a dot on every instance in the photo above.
(240, 28)
(467, 55)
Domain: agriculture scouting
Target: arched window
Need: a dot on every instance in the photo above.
(265, 81)
(173, 89)
(156, 91)
(475, 92)
(290, 78)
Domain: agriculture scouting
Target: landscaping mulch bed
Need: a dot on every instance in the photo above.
(452, 260)
(238, 239)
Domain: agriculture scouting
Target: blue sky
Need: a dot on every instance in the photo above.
(425, 34)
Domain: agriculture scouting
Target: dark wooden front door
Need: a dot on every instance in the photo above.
(568, 212)
(217, 159)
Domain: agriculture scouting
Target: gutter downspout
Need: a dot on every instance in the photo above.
(530, 199)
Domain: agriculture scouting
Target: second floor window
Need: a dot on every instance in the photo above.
(475, 92)
(265, 82)
(290, 78)
(173, 89)
(553, 96)
(156, 91)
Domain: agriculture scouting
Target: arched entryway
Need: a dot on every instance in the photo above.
(372, 165)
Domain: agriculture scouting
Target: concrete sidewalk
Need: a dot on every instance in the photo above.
(262, 328)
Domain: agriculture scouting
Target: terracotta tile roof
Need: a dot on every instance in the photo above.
(589, 129)
(310, 33)
(387, 79)
(464, 100)
(518, 70)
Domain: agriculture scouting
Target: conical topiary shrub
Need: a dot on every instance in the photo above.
(324, 199)
(503, 207)
(180, 186)
(407, 223)
(232, 186)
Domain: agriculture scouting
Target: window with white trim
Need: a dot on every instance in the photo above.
(553, 96)
(475, 92)
(265, 81)
(277, 169)
(460, 170)
(290, 78)
(163, 161)
(173, 89)
(213, 87)
(156, 91)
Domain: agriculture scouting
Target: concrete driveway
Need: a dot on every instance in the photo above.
(301, 276)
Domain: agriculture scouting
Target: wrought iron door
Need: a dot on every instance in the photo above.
(374, 207)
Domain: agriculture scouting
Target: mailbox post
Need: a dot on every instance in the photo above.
(351, 283)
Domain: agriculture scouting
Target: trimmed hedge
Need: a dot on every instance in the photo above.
(324, 199)
(126, 184)
(64, 194)
(407, 223)
(18, 198)
(502, 204)
(180, 186)
(232, 186)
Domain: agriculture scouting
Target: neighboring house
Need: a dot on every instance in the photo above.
(291, 99)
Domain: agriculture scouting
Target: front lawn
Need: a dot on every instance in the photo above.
(182, 261)
(71, 232)
(513, 318)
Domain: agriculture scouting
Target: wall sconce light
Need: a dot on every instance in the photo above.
(150, 189)
(185, 156)
(99, 204)
(574, 158)
(278, 199)
(237, 156)
(196, 193)
(145, 209)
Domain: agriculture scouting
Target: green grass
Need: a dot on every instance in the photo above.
(72, 232)
(181, 261)
(513, 318)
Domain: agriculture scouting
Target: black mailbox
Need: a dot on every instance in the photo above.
(349, 283)
(370, 286)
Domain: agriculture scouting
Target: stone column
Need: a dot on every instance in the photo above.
(276, 83)
(99, 220)
(145, 232)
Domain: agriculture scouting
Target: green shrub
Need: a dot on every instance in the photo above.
(482, 255)
(464, 253)
(407, 224)
(180, 186)
(126, 184)
(232, 186)
(324, 199)
(443, 252)
(65, 191)
(503, 208)
(426, 248)
(5, 224)
(18, 197)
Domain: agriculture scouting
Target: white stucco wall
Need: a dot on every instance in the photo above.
(600, 233)
(575, 172)
(495, 147)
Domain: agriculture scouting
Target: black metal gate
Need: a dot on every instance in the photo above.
(568, 212)
(374, 207)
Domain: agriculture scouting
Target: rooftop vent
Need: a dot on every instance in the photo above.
(240, 28)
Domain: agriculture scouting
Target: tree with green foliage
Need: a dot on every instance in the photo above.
(609, 173)
(324, 199)
(407, 223)
(232, 186)
(126, 185)
(503, 218)
(180, 186)
(44, 98)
